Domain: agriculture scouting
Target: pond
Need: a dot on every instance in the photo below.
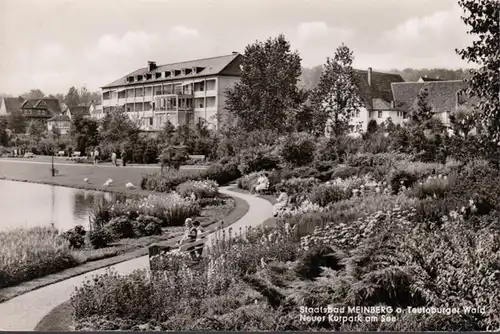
(25, 205)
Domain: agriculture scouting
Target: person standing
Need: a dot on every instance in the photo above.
(96, 156)
(113, 158)
(124, 156)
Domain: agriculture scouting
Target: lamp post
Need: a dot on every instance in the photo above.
(52, 169)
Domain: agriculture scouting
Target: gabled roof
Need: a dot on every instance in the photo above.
(79, 111)
(211, 66)
(442, 94)
(13, 104)
(51, 105)
(379, 89)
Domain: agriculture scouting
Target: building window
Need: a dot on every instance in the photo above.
(380, 114)
(201, 105)
(357, 113)
(151, 121)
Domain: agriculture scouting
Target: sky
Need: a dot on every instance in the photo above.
(54, 44)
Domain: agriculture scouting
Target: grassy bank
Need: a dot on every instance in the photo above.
(73, 175)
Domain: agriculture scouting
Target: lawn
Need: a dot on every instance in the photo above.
(73, 175)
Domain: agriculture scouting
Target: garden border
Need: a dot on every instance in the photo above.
(240, 209)
(55, 319)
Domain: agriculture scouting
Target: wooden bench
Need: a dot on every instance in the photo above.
(166, 246)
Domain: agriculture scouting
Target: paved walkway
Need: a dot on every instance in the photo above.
(24, 312)
(57, 162)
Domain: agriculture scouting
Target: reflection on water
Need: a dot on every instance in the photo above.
(28, 204)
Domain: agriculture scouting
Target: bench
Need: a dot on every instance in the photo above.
(166, 246)
(76, 154)
(60, 153)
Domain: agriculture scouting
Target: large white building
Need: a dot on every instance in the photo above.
(186, 92)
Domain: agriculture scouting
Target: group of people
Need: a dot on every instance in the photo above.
(94, 155)
(191, 234)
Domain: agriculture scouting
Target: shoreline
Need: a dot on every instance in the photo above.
(240, 208)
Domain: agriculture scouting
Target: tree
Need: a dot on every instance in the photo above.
(16, 122)
(462, 121)
(336, 97)
(59, 97)
(72, 98)
(117, 127)
(34, 94)
(84, 133)
(36, 129)
(268, 88)
(421, 111)
(4, 135)
(482, 17)
(166, 132)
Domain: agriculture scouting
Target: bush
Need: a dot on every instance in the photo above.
(120, 227)
(99, 238)
(344, 172)
(75, 237)
(432, 187)
(222, 173)
(146, 226)
(200, 189)
(325, 194)
(257, 159)
(400, 179)
(298, 149)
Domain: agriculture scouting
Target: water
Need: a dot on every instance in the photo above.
(28, 205)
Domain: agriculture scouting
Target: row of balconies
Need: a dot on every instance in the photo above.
(149, 97)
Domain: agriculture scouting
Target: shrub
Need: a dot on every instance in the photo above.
(325, 194)
(75, 237)
(400, 179)
(147, 225)
(222, 174)
(120, 227)
(168, 180)
(298, 149)
(99, 238)
(200, 189)
(256, 159)
(344, 172)
(172, 209)
(432, 187)
(297, 186)
(249, 181)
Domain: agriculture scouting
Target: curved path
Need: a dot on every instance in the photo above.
(24, 312)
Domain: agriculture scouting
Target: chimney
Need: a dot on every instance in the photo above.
(369, 76)
(393, 105)
(151, 65)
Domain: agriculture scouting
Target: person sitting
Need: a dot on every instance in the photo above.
(199, 231)
(189, 236)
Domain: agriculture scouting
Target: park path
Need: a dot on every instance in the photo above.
(23, 313)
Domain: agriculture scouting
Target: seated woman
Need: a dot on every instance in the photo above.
(190, 235)
(199, 231)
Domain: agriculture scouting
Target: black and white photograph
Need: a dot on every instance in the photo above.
(250, 166)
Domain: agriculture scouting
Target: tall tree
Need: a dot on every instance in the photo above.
(336, 97)
(84, 132)
(482, 17)
(34, 94)
(117, 127)
(72, 98)
(36, 129)
(268, 88)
